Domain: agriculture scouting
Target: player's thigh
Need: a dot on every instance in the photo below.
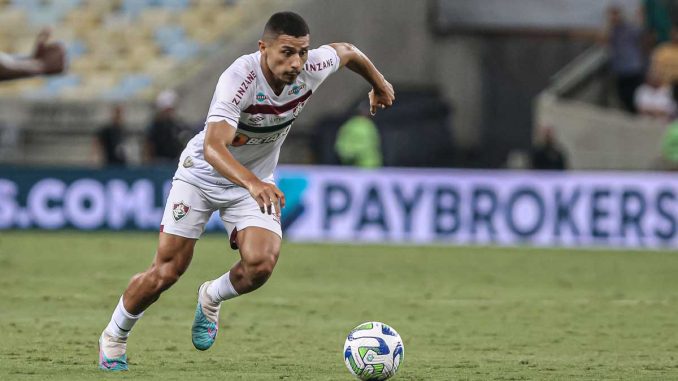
(175, 252)
(258, 245)
(256, 234)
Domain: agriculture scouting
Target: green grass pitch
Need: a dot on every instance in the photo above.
(463, 313)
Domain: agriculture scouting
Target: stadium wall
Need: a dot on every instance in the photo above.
(339, 204)
(601, 138)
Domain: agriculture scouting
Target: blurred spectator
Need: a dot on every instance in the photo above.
(10, 141)
(166, 136)
(627, 59)
(358, 141)
(665, 61)
(670, 147)
(111, 138)
(655, 98)
(658, 19)
(47, 58)
(518, 159)
(548, 155)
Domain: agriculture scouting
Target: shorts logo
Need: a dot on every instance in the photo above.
(180, 210)
(261, 97)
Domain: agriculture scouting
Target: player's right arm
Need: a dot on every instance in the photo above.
(218, 137)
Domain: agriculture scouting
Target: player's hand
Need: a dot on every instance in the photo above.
(51, 55)
(268, 196)
(382, 97)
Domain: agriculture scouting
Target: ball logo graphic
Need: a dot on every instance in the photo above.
(373, 351)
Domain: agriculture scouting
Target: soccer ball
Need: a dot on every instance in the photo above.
(373, 351)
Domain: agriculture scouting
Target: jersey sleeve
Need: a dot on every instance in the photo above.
(230, 94)
(321, 62)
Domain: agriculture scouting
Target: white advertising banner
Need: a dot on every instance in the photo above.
(612, 209)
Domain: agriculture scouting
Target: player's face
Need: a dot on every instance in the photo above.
(286, 56)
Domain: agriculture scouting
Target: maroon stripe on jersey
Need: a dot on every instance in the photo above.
(277, 110)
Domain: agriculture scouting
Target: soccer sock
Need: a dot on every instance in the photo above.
(122, 321)
(222, 289)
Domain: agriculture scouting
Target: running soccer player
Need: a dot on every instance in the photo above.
(229, 167)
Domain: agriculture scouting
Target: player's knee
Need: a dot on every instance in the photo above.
(164, 276)
(261, 267)
(261, 272)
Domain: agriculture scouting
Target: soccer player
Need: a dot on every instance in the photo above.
(229, 167)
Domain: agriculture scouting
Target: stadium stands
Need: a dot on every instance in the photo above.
(117, 49)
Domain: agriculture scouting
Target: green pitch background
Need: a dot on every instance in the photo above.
(463, 313)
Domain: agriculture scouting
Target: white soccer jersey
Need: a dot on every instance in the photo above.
(245, 100)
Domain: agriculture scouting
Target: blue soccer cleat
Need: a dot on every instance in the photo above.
(112, 353)
(206, 321)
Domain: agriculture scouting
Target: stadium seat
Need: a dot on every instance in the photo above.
(183, 50)
(133, 8)
(75, 49)
(12, 20)
(168, 35)
(26, 4)
(66, 5)
(53, 86)
(174, 5)
(129, 86)
(11, 87)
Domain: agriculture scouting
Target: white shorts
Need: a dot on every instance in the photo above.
(189, 207)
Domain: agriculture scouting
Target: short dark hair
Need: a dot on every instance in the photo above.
(288, 23)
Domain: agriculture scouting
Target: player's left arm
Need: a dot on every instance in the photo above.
(382, 94)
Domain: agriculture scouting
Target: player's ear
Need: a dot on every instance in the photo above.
(262, 46)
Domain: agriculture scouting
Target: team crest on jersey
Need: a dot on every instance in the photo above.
(298, 108)
(180, 210)
(261, 97)
(188, 162)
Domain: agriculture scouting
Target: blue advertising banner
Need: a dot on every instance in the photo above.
(83, 199)
(609, 209)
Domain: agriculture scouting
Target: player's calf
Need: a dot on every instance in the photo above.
(171, 261)
(255, 267)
